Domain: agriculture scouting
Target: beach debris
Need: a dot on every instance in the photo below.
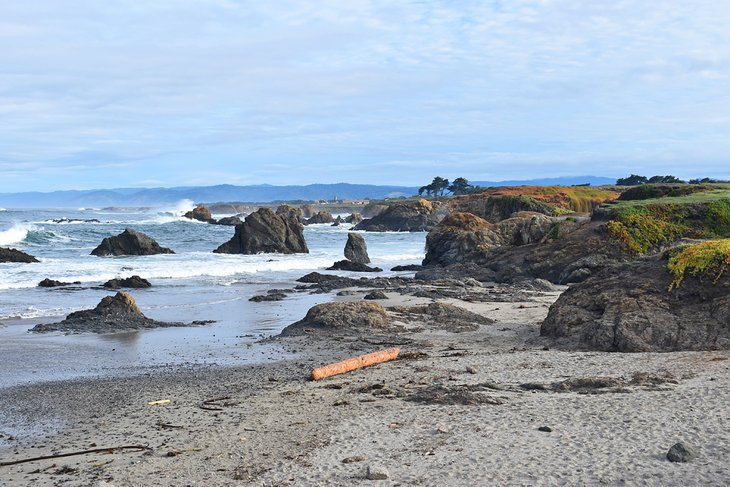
(412, 355)
(602, 385)
(215, 403)
(681, 453)
(354, 459)
(376, 472)
(341, 402)
(110, 450)
(470, 369)
(174, 453)
(161, 402)
(355, 363)
(546, 429)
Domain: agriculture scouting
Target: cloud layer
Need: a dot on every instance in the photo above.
(122, 93)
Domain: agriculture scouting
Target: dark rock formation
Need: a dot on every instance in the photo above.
(417, 216)
(445, 316)
(572, 257)
(354, 218)
(407, 268)
(320, 217)
(499, 207)
(53, 283)
(200, 213)
(230, 221)
(259, 298)
(342, 318)
(372, 295)
(12, 255)
(265, 231)
(628, 308)
(681, 453)
(129, 242)
(134, 282)
(465, 237)
(347, 265)
(112, 314)
(317, 278)
(356, 250)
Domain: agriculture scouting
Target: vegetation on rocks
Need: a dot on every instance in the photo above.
(562, 199)
(640, 228)
(706, 259)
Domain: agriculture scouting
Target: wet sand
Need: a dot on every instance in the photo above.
(456, 410)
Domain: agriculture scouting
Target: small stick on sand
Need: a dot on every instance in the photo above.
(355, 363)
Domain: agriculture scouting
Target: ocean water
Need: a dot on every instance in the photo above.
(192, 284)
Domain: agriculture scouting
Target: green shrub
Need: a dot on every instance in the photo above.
(709, 259)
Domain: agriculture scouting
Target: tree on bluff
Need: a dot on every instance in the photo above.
(436, 188)
(459, 186)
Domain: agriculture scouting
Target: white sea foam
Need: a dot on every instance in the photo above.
(15, 234)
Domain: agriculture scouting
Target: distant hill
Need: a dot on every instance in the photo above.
(262, 193)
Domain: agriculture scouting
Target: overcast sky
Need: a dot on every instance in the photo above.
(114, 93)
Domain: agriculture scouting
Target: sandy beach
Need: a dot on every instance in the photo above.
(496, 406)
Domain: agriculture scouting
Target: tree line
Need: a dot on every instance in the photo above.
(636, 180)
(439, 185)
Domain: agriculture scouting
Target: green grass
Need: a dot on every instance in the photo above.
(694, 198)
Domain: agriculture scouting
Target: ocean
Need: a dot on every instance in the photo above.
(192, 284)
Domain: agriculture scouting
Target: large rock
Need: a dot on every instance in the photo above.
(129, 242)
(341, 318)
(354, 218)
(356, 250)
(577, 252)
(265, 231)
(465, 237)
(229, 221)
(54, 283)
(417, 216)
(13, 255)
(200, 213)
(628, 308)
(320, 217)
(112, 314)
(348, 265)
(499, 207)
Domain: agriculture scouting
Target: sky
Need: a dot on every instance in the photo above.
(124, 93)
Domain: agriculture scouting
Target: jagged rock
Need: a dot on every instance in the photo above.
(356, 250)
(373, 295)
(200, 213)
(320, 217)
(628, 308)
(265, 231)
(465, 237)
(499, 207)
(290, 212)
(354, 218)
(230, 221)
(112, 314)
(347, 265)
(13, 255)
(417, 216)
(53, 283)
(129, 242)
(341, 318)
(445, 316)
(134, 282)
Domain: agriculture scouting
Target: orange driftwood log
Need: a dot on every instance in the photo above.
(355, 363)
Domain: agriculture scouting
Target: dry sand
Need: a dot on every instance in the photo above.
(277, 428)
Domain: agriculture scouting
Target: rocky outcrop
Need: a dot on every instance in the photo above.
(229, 221)
(499, 207)
(320, 217)
(53, 283)
(356, 250)
(133, 282)
(628, 308)
(342, 319)
(444, 316)
(579, 251)
(290, 212)
(13, 255)
(112, 314)
(354, 218)
(347, 265)
(129, 242)
(200, 213)
(417, 216)
(264, 231)
(465, 237)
